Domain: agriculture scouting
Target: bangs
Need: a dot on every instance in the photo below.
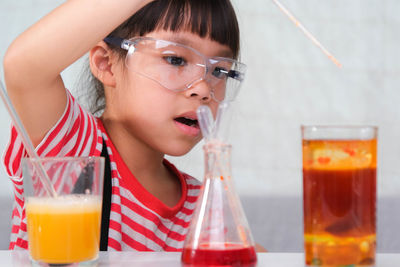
(215, 19)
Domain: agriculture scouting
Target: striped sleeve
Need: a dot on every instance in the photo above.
(75, 134)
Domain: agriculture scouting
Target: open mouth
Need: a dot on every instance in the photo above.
(188, 122)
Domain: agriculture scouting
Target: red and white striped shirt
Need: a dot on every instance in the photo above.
(138, 220)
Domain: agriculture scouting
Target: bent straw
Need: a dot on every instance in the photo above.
(27, 141)
(206, 122)
(222, 122)
(214, 131)
(307, 33)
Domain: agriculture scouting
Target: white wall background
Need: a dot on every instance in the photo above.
(289, 82)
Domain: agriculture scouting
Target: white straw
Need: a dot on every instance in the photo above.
(206, 122)
(222, 122)
(27, 141)
(214, 131)
(307, 33)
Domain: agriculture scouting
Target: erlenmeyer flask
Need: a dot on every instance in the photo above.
(218, 234)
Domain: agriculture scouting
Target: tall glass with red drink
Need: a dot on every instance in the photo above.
(339, 194)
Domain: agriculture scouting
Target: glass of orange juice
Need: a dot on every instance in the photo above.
(65, 229)
(339, 194)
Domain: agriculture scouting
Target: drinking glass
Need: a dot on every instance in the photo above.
(65, 229)
(339, 195)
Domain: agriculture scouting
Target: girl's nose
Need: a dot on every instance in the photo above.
(200, 90)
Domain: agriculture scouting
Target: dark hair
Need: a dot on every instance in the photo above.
(215, 19)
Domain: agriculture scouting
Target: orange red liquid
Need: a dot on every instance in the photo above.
(233, 255)
(63, 229)
(339, 185)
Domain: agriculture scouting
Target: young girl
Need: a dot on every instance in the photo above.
(151, 73)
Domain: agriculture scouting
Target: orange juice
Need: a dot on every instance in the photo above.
(339, 179)
(65, 229)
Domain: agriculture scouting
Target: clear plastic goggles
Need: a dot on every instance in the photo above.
(178, 67)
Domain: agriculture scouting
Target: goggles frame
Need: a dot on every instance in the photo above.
(130, 46)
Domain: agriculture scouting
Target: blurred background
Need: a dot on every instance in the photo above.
(289, 83)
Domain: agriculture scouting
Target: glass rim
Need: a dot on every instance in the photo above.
(217, 145)
(339, 132)
(339, 126)
(64, 159)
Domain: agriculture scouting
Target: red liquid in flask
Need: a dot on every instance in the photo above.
(231, 255)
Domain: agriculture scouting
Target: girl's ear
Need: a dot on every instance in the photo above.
(101, 59)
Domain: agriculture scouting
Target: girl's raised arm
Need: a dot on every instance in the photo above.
(34, 61)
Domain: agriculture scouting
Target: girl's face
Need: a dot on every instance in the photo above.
(161, 119)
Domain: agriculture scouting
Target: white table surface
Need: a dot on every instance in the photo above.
(169, 259)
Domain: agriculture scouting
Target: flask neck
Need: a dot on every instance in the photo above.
(217, 161)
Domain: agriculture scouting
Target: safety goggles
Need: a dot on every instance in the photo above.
(178, 67)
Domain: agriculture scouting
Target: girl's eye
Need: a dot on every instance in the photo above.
(219, 72)
(175, 61)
